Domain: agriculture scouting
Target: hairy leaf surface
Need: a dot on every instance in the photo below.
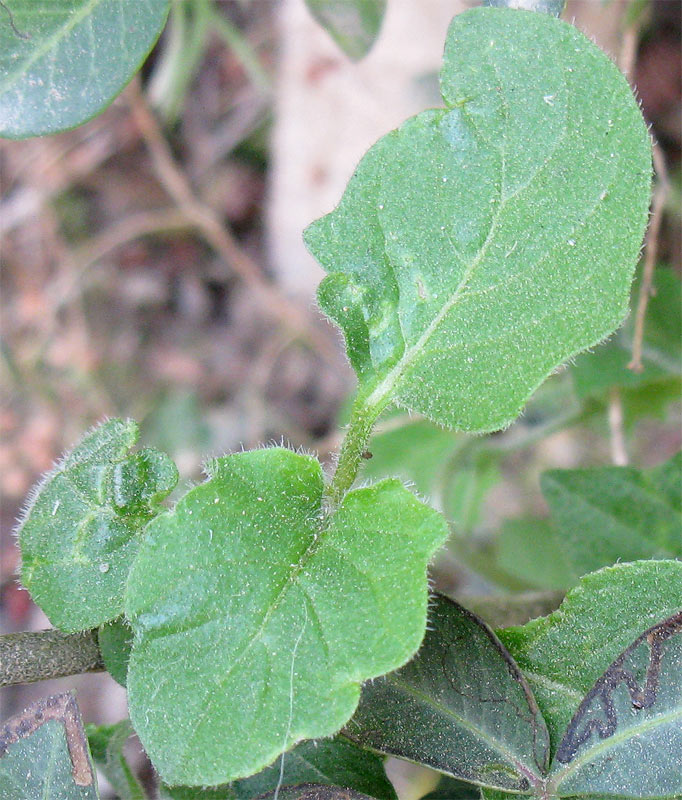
(331, 762)
(626, 736)
(479, 246)
(63, 61)
(80, 532)
(252, 613)
(565, 653)
(353, 24)
(44, 753)
(461, 706)
(115, 639)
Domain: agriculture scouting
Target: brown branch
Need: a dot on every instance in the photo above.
(645, 289)
(28, 657)
(216, 234)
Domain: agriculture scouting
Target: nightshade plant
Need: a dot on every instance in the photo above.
(476, 248)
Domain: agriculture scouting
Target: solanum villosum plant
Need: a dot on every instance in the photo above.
(476, 248)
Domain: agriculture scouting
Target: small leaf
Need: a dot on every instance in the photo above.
(62, 63)
(479, 246)
(614, 514)
(332, 762)
(529, 549)
(115, 641)
(79, 533)
(626, 736)
(106, 744)
(353, 24)
(44, 753)
(461, 706)
(270, 615)
(565, 653)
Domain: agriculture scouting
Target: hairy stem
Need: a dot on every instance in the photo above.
(37, 656)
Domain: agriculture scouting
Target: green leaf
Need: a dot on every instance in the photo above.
(106, 745)
(626, 736)
(353, 24)
(451, 789)
(461, 706)
(554, 7)
(115, 640)
(310, 791)
(479, 246)
(63, 61)
(80, 532)
(270, 614)
(614, 514)
(565, 653)
(530, 549)
(596, 373)
(331, 762)
(44, 753)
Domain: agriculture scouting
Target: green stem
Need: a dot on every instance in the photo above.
(362, 419)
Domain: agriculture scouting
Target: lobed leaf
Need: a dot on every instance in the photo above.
(254, 614)
(564, 654)
(461, 706)
(64, 61)
(458, 283)
(353, 24)
(44, 753)
(80, 532)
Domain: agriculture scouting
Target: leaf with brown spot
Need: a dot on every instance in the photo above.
(44, 753)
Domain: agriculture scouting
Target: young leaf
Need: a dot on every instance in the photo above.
(79, 533)
(461, 706)
(352, 24)
(479, 246)
(115, 640)
(614, 514)
(565, 653)
(253, 613)
(106, 745)
(332, 762)
(62, 63)
(44, 753)
(626, 736)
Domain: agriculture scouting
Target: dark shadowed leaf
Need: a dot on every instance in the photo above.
(44, 753)
(352, 24)
(80, 532)
(460, 706)
(115, 639)
(63, 61)
(311, 791)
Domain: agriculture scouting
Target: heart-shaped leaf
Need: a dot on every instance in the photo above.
(255, 614)
(44, 753)
(62, 63)
(479, 246)
(625, 739)
(461, 706)
(79, 533)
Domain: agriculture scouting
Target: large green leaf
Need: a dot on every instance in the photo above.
(80, 531)
(461, 706)
(253, 613)
(564, 654)
(595, 373)
(625, 739)
(479, 246)
(63, 61)
(352, 24)
(330, 762)
(44, 753)
(599, 516)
